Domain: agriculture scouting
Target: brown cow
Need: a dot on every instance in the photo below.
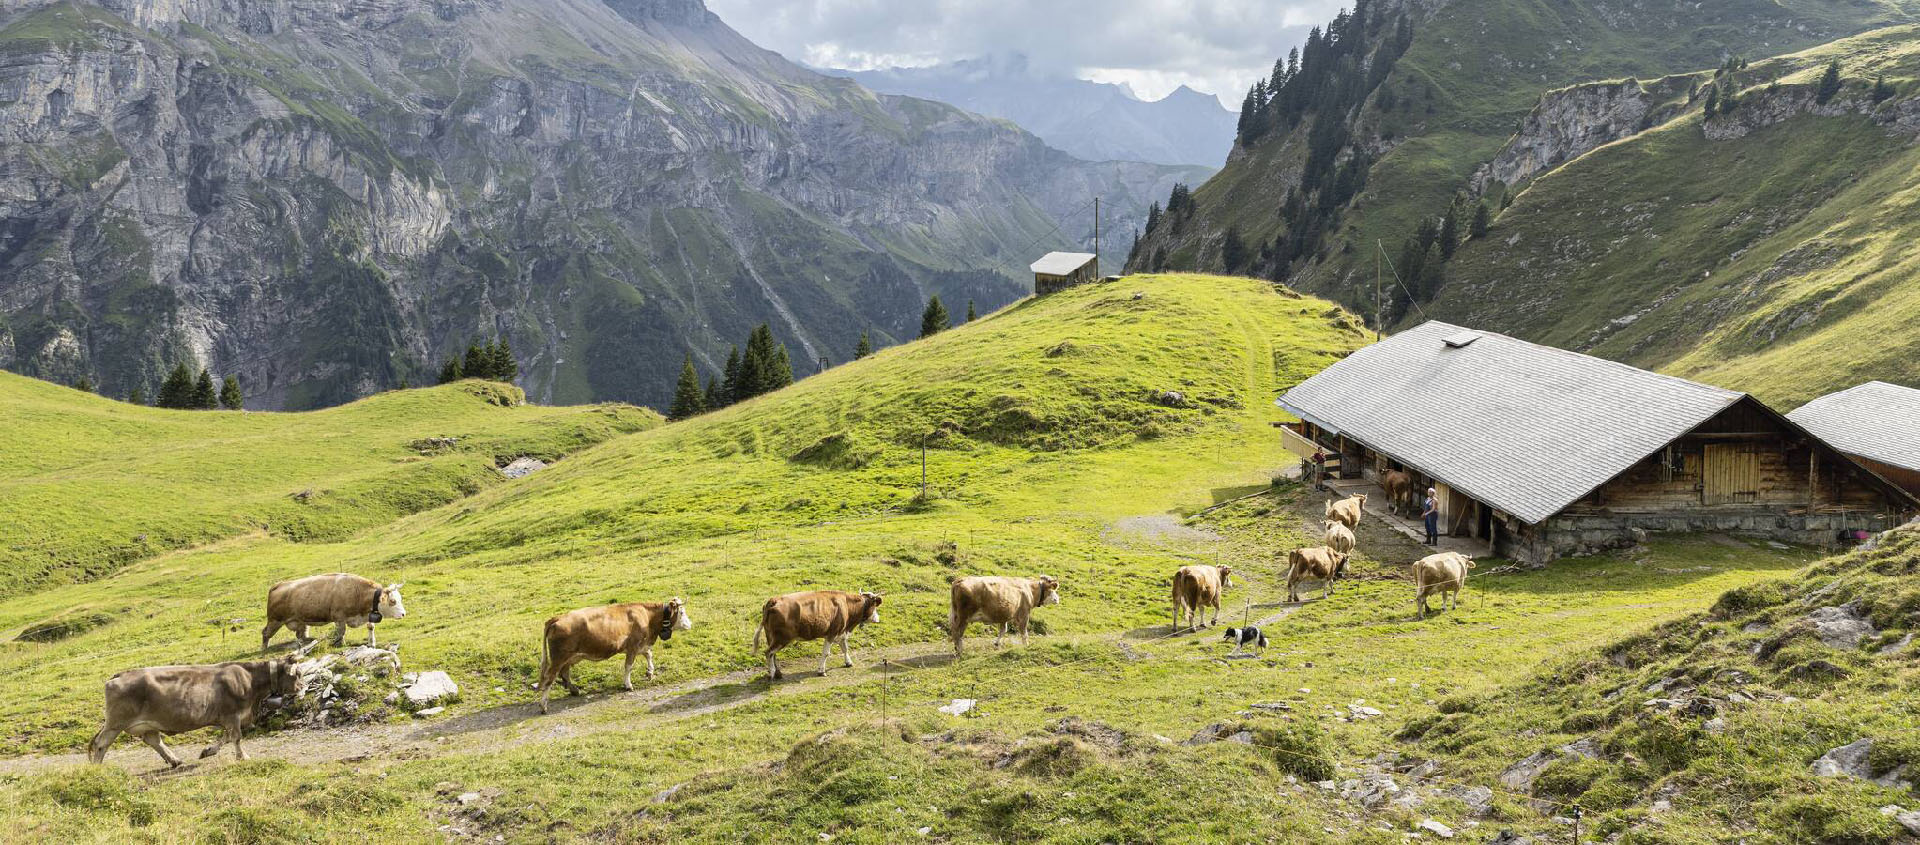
(1199, 586)
(1338, 537)
(175, 699)
(597, 633)
(1348, 510)
(999, 601)
(1399, 487)
(815, 615)
(1445, 572)
(1318, 562)
(342, 599)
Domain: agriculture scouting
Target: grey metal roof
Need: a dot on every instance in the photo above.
(1528, 429)
(1875, 420)
(1061, 263)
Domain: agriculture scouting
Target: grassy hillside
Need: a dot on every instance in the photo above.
(88, 485)
(1775, 262)
(1050, 447)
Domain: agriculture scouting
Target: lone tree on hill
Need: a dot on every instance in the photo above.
(934, 320)
(970, 315)
(1881, 90)
(865, 348)
(177, 390)
(230, 397)
(1481, 219)
(687, 401)
(204, 398)
(1829, 83)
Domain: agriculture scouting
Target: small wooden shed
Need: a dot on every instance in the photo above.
(1061, 270)
(1877, 423)
(1543, 452)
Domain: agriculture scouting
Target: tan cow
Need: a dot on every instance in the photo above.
(347, 601)
(1445, 572)
(1317, 562)
(1198, 586)
(997, 600)
(597, 633)
(1399, 488)
(175, 699)
(1338, 537)
(1347, 511)
(815, 615)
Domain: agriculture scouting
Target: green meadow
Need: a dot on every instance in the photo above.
(1051, 442)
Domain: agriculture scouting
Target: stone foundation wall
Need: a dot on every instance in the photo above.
(1570, 535)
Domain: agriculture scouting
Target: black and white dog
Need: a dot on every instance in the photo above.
(1248, 636)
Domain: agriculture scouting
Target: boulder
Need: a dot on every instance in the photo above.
(431, 687)
(1437, 829)
(1848, 760)
(1841, 627)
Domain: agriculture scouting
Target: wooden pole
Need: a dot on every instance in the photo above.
(923, 466)
(1096, 237)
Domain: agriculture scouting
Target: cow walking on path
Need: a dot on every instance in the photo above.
(1347, 511)
(1318, 562)
(175, 699)
(815, 615)
(999, 601)
(1338, 537)
(597, 633)
(347, 601)
(1444, 573)
(1199, 586)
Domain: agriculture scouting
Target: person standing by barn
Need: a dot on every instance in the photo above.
(1430, 511)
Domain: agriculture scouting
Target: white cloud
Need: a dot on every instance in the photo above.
(1216, 46)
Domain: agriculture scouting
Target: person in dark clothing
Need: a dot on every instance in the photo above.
(1319, 470)
(1431, 513)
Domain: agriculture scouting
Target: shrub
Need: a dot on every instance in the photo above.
(1749, 598)
(65, 625)
(1299, 748)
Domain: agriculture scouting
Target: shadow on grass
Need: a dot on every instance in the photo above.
(1665, 563)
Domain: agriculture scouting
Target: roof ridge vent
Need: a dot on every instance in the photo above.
(1461, 340)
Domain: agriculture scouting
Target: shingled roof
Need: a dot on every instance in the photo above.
(1525, 428)
(1061, 263)
(1876, 420)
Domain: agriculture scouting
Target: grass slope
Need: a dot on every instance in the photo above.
(1775, 262)
(89, 484)
(1049, 449)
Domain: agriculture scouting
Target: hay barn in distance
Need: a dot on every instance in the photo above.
(1061, 270)
(1540, 452)
(1876, 422)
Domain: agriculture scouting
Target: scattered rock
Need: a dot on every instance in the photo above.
(1210, 733)
(467, 798)
(1776, 544)
(1715, 725)
(1437, 829)
(1358, 712)
(431, 711)
(1848, 760)
(1754, 628)
(430, 687)
(523, 467)
(1519, 776)
(1909, 819)
(1479, 799)
(959, 706)
(1841, 627)
(1242, 737)
(1272, 706)
(1507, 837)
(1818, 668)
(665, 795)
(1369, 790)
(1897, 647)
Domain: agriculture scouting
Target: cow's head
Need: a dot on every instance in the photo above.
(871, 603)
(1049, 589)
(282, 684)
(1226, 576)
(389, 602)
(1340, 563)
(673, 617)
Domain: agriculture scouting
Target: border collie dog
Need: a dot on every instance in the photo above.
(1248, 636)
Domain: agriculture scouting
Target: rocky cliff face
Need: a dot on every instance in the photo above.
(328, 197)
(1571, 121)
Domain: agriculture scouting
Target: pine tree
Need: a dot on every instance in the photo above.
(759, 367)
(970, 315)
(478, 363)
(1481, 219)
(177, 390)
(1233, 250)
(137, 396)
(504, 367)
(713, 400)
(687, 401)
(85, 382)
(230, 397)
(204, 397)
(934, 320)
(451, 371)
(781, 373)
(864, 349)
(1450, 231)
(1881, 90)
(1829, 83)
(731, 389)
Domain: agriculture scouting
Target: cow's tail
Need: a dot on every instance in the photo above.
(758, 630)
(546, 647)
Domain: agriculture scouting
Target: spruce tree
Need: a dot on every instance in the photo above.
(934, 320)
(687, 401)
(1481, 219)
(85, 382)
(204, 397)
(759, 367)
(177, 390)
(1233, 250)
(713, 399)
(1829, 83)
(478, 363)
(971, 316)
(504, 367)
(230, 397)
(1450, 231)
(137, 396)
(864, 349)
(1881, 90)
(451, 371)
(735, 372)
(781, 373)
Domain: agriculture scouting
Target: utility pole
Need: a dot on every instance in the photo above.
(1096, 236)
(923, 467)
(1378, 250)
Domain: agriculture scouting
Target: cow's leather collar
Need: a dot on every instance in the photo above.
(666, 623)
(373, 614)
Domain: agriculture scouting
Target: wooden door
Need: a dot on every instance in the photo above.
(1730, 474)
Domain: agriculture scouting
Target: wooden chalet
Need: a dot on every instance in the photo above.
(1061, 270)
(1877, 423)
(1541, 452)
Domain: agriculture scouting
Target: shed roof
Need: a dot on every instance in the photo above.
(1525, 428)
(1062, 263)
(1875, 420)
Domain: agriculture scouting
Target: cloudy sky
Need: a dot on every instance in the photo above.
(1217, 46)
